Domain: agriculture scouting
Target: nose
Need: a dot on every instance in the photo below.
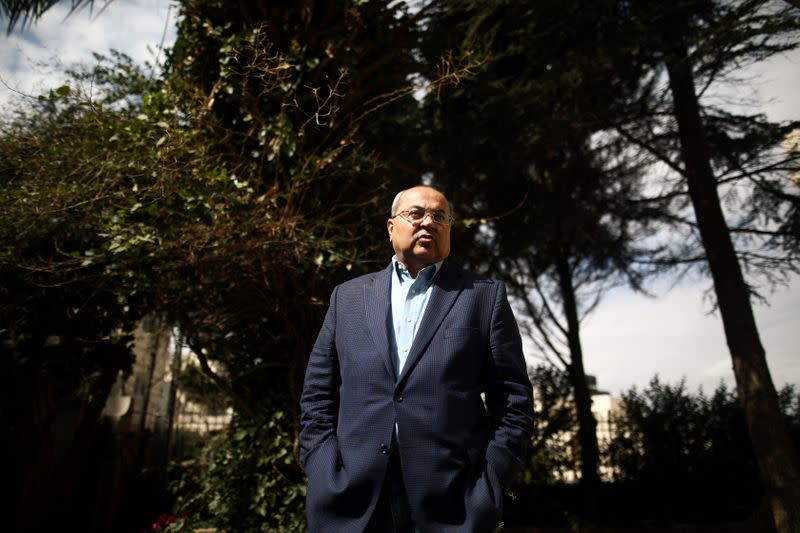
(427, 216)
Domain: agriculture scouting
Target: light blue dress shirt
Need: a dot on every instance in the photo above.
(409, 299)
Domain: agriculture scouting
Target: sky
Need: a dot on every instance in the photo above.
(32, 59)
(626, 340)
(630, 337)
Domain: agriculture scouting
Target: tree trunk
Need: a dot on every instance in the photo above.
(151, 368)
(587, 425)
(777, 461)
(175, 370)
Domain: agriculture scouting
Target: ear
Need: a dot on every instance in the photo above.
(390, 227)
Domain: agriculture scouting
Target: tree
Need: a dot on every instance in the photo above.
(545, 205)
(66, 330)
(696, 42)
(676, 446)
(581, 243)
(665, 434)
(551, 452)
(29, 11)
(166, 223)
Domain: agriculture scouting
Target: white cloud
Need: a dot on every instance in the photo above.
(631, 337)
(773, 90)
(33, 59)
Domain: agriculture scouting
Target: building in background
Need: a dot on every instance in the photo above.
(150, 400)
(563, 444)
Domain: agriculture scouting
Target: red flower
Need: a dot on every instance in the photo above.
(163, 521)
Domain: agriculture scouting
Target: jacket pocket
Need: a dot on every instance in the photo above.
(460, 332)
(323, 453)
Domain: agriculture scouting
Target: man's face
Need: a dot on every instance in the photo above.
(422, 243)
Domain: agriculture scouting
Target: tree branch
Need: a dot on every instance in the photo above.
(653, 150)
(239, 402)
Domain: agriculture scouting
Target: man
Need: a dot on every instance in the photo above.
(395, 434)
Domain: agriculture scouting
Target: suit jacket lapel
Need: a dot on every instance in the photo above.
(446, 288)
(376, 305)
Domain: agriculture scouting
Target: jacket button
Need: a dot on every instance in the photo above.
(400, 398)
(384, 449)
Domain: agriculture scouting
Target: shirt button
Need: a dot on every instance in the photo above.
(384, 449)
(405, 350)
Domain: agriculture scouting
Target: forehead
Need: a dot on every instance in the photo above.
(423, 197)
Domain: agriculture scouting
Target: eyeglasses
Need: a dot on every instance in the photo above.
(415, 215)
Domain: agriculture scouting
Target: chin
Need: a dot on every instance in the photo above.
(426, 251)
(429, 260)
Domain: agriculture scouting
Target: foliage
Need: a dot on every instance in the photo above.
(551, 450)
(245, 479)
(689, 457)
(196, 387)
(748, 164)
(66, 322)
(29, 11)
(284, 107)
(231, 213)
(666, 435)
(167, 522)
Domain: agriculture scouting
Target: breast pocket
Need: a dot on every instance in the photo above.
(449, 333)
(459, 356)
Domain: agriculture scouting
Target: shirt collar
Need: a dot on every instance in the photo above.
(424, 276)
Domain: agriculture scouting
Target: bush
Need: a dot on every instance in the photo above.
(245, 480)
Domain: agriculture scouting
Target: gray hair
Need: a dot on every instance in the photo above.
(396, 202)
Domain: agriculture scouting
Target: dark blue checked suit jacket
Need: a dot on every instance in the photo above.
(456, 452)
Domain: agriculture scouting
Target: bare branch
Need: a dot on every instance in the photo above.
(239, 402)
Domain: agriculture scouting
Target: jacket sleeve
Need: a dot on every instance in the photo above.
(509, 396)
(319, 401)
